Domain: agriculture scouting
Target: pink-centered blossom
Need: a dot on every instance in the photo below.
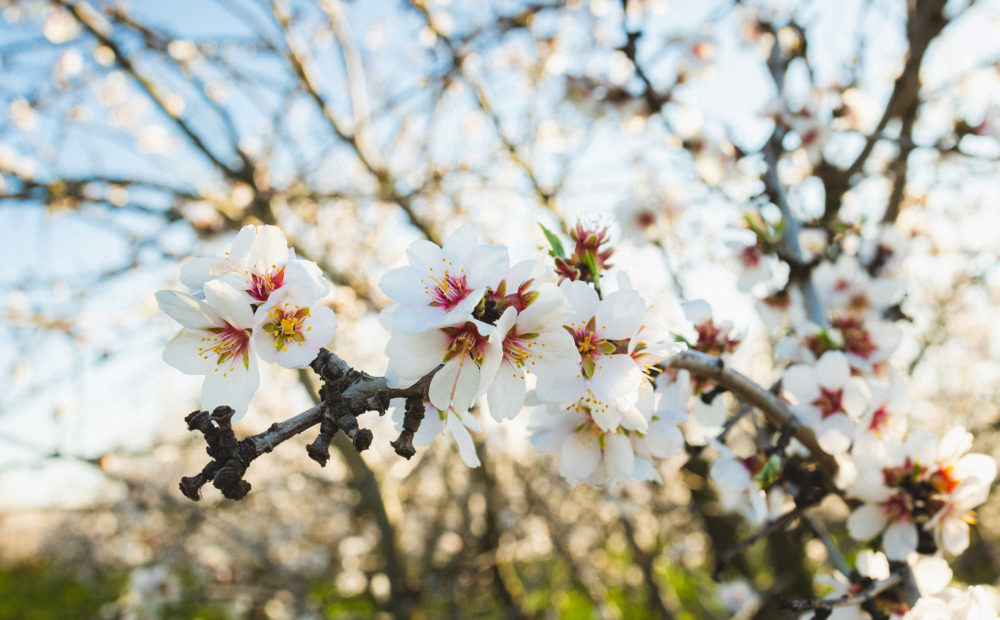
(530, 341)
(927, 484)
(441, 286)
(291, 327)
(258, 264)
(827, 399)
(216, 342)
(601, 329)
(586, 453)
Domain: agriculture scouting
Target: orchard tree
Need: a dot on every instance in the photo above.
(697, 293)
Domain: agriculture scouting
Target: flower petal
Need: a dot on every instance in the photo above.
(582, 298)
(430, 427)
(405, 285)
(615, 376)
(619, 457)
(411, 356)
(230, 303)
(466, 448)
(269, 250)
(620, 315)
(187, 310)
(197, 271)
(578, 456)
(506, 395)
(866, 522)
(234, 386)
(182, 352)
(443, 384)
(899, 540)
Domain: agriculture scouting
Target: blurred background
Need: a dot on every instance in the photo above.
(136, 134)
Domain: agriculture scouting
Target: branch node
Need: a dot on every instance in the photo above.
(412, 416)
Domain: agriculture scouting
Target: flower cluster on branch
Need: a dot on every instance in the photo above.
(611, 391)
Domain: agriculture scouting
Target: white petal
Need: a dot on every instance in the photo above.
(872, 564)
(855, 398)
(645, 471)
(578, 456)
(463, 242)
(932, 575)
(187, 310)
(560, 388)
(664, 440)
(231, 385)
(633, 419)
(554, 353)
(423, 253)
(606, 417)
(443, 385)
(582, 298)
(549, 310)
(954, 536)
(230, 303)
(549, 430)
(430, 427)
(493, 357)
(615, 376)
(242, 244)
(269, 250)
(306, 275)
(506, 396)
(411, 356)
(489, 266)
(800, 381)
(835, 432)
(463, 440)
(466, 385)
(181, 352)
(404, 285)
(899, 540)
(619, 457)
(954, 444)
(866, 522)
(711, 416)
(620, 315)
(697, 311)
(833, 370)
(197, 271)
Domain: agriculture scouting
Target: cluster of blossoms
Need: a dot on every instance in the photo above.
(486, 327)
(258, 300)
(583, 353)
(914, 492)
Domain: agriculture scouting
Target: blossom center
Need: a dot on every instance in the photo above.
(897, 508)
(516, 349)
(228, 343)
(879, 419)
(262, 285)
(857, 340)
(448, 291)
(711, 340)
(286, 325)
(465, 340)
(829, 402)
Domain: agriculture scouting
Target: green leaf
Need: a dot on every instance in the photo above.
(769, 473)
(591, 262)
(556, 245)
(679, 338)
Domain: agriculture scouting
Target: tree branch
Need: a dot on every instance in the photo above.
(748, 391)
(346, 394)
